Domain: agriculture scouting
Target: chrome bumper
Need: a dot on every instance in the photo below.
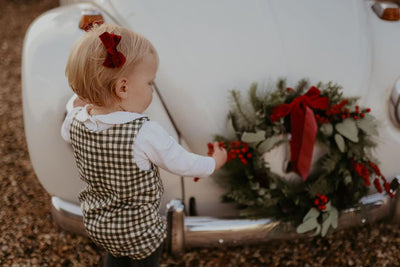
(206, 231)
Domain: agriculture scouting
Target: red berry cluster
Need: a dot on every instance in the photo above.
(337, 110)
(321, 119)
(240, 150)
(320, 201)
(361, 114)
(236, 149)
(362, 170)
(377, 183)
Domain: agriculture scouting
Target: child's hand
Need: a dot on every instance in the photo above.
(220, 155)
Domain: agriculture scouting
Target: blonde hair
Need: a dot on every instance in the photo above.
(87, 76)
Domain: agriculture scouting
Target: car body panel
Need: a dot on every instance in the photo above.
(206, 49)
(45, 95)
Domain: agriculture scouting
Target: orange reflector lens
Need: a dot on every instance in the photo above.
(386, 10)
(89, 18)
(391, 14)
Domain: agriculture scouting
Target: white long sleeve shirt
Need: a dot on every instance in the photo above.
(152, 144)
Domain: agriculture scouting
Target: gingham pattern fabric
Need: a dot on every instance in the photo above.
(120, 202)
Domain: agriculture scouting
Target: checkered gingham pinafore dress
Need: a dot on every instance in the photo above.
(120, 202)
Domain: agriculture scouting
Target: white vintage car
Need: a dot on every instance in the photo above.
(207, 48)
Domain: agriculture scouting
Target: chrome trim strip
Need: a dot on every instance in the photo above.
(175, 242)
(207, 231)
(67, 215)
(66, 206)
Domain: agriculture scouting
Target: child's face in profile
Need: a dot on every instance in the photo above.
(139, 84)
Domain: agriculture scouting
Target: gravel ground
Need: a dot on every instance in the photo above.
(29, 237)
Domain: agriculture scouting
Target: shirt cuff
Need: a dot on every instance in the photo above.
(210, 166)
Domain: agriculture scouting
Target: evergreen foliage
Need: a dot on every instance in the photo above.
(338, 179)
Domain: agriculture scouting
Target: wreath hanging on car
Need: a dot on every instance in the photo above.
(323, 142)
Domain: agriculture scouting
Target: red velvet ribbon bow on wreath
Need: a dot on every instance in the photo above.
(114, 58)
(303, 127)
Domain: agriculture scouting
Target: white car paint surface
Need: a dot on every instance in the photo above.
(206, 49)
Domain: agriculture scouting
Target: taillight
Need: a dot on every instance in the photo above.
(387, 10)
(90, 18)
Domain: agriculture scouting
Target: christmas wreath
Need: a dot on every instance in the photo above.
(321, 142)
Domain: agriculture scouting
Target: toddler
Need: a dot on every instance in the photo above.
(117, 149)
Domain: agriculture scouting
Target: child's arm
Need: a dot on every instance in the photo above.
(154, 144)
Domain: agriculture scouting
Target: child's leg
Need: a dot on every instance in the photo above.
(151, 261)
(111, 261)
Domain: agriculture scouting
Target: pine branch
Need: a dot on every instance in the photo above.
(256, 190)
(238, 111)
(301, 86)
(281, 85)
(255, 101)
(328, 162)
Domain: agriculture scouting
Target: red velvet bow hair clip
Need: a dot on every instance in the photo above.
(114, 59)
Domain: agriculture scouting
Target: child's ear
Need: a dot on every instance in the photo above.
(120, 89)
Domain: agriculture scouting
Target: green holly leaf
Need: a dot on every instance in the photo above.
(269, 143)
(340, 143)
(310, 222)
(348, 180)
(330, 220)
(328, 207)
(253, 137)
(348, 129)
(309, 226)
(368, 124)
(313, 213)
(335, 217)
(326, 129)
